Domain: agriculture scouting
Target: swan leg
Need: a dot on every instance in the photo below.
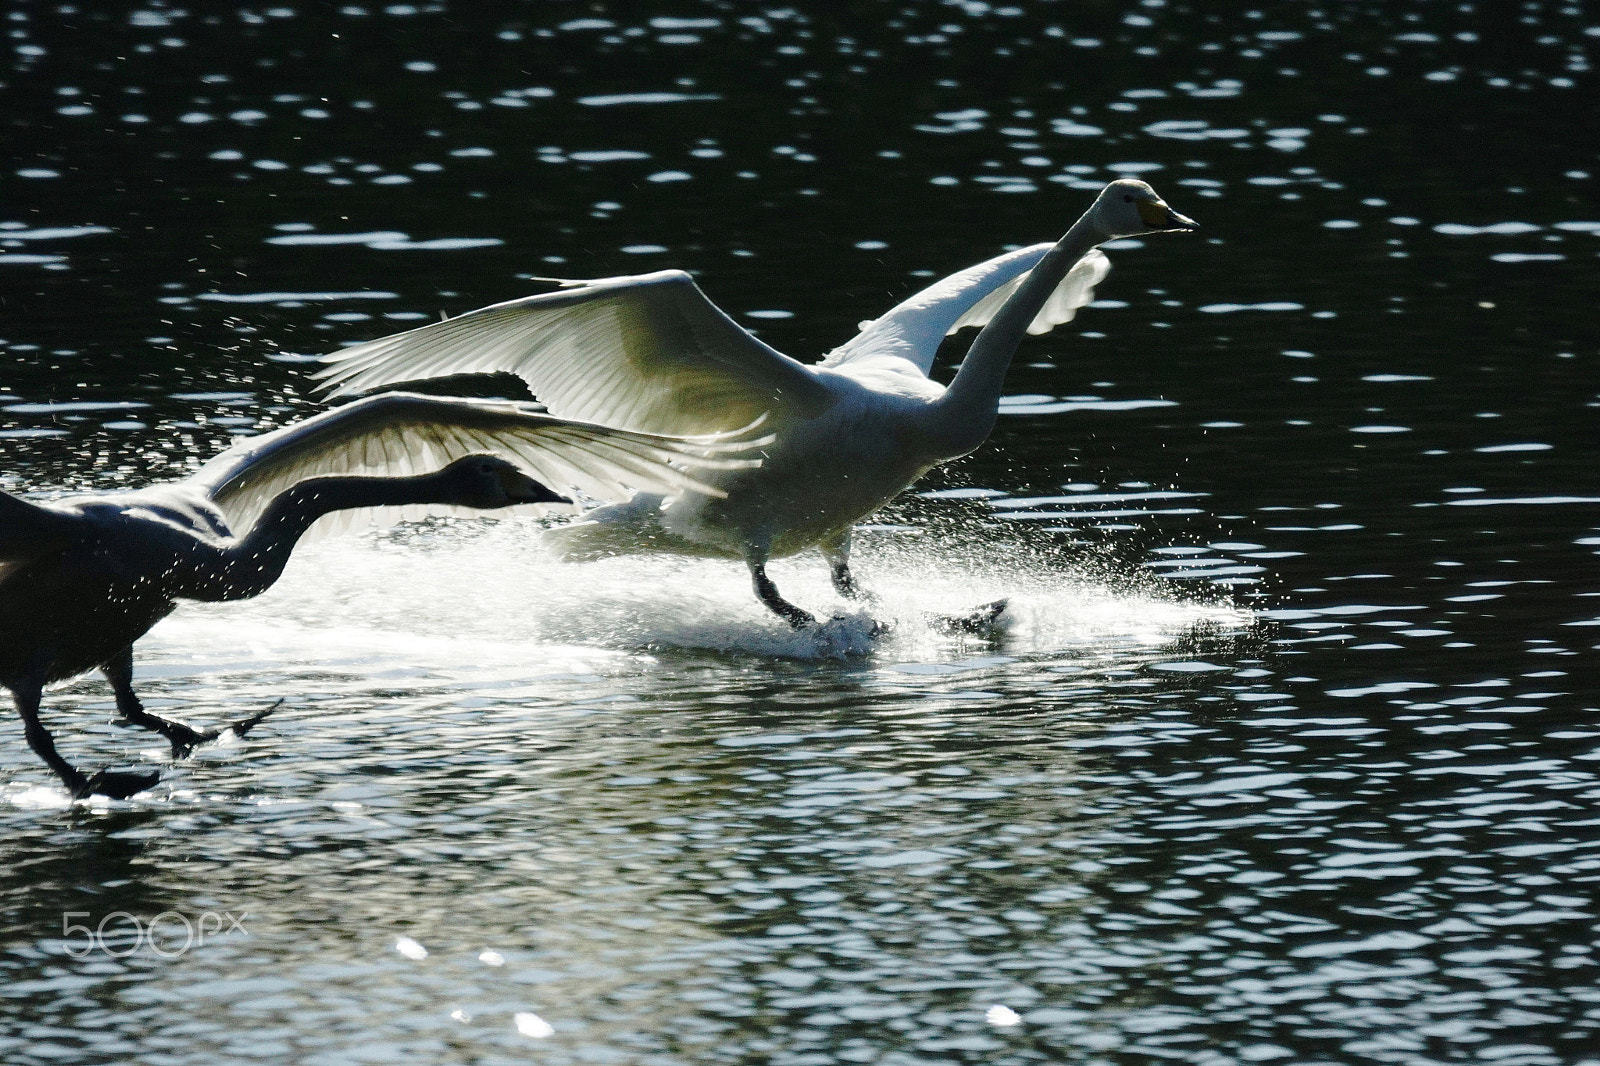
(836, 552)
(117, 785)
(26, 696)
(767, 593)
(183, 738)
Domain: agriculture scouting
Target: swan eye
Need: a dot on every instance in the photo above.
(1127, 198)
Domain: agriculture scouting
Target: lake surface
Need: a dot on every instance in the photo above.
(1290, 751)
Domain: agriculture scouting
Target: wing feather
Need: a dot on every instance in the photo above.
(1075, 290)
(648, 353)
(29, 531)
(400, 434)
(914, 327)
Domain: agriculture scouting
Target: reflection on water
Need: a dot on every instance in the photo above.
(1286, 751)
(535, 808)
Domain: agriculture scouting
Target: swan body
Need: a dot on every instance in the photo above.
(651, 353)
(83, 577)
(830, 471)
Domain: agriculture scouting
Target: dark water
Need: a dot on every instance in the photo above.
(1290, 755)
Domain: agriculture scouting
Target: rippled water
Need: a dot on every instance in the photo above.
(1287, 751)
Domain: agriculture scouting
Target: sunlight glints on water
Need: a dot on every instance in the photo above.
(490, 600)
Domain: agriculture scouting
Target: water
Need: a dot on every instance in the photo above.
(1286, 753)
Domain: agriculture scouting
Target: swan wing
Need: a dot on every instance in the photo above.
(29, 531)
(1075, 290)
(647, 353)
(398, 434)
(914, 327)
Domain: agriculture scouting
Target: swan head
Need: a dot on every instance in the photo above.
(487, 481)
(1129, 207)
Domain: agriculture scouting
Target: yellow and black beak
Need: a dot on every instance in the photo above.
(1158, 216)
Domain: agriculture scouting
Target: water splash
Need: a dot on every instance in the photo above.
(489, 602)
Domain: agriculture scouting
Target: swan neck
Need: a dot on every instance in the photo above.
(967, 410)
(256, 560)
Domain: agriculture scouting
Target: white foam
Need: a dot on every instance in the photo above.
(493, 605)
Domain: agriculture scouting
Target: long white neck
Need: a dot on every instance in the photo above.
(963, 417)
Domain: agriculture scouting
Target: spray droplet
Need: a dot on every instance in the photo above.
(1001, 1015)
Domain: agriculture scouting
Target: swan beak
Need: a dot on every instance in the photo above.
(1158, 216)
(521, 488)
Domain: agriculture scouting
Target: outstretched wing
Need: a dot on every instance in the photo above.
(397, 434)
(647, 353)
(914, 327)
(29, 531)
(1075, 291)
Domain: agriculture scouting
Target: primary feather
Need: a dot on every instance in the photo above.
(647, 353)
(400, 433)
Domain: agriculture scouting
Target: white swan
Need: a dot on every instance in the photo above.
(82, 578)
(651, 353)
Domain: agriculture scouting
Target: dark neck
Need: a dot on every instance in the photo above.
(253, 562)
(964, 416)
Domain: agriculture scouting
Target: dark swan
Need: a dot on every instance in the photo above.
(83, 577)
(651, 353)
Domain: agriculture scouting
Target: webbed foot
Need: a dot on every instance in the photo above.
(117, 784)
(880, 627)
(979, 621)
(244, 725)
(185, 739)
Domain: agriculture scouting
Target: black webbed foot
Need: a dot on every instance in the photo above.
(244, 725)
(880, 627)
(185, 739)
(117, 784)
(979, 621)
